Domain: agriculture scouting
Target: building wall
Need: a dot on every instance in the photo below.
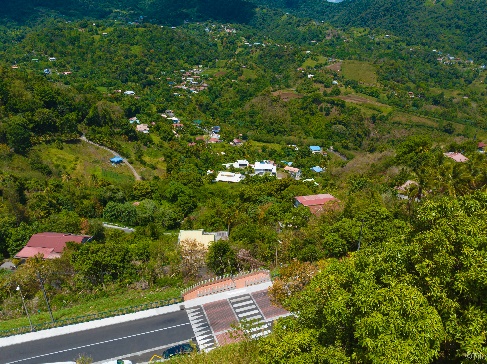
(204, 238)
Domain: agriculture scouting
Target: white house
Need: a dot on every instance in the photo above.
(241, 163)
(143, 128)
(229, 177)
(265, 167)
(129, 92)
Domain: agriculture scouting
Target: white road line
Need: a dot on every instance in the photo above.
(240, 291)
(98, 343)
(246, 297)
(249, 302)
(248, 313)
(254, 318)
(242, 309)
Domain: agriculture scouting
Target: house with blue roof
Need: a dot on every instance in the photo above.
(315, 149)
(116, 160)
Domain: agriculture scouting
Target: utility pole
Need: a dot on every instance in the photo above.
(277, 245)
(360, 236)
(25, 308)
(41, 282)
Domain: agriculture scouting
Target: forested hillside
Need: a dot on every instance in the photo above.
(394, 272)
(455, 26)
(162, 11)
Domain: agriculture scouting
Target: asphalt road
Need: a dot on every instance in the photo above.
(115, 341)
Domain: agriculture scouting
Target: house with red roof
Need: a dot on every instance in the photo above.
(293, 172)
(457, 157)
(50, 245)
(317, 203)
(481, 146)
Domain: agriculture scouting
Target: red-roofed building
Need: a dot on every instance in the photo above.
(481, 146)
(457, 157)
(50, 245)
(317, 203)
(294, 172)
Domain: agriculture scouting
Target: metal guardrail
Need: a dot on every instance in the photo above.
(90, 317)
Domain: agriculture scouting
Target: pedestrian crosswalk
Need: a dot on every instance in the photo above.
(212, 322)
(249, 313)
(202, 330)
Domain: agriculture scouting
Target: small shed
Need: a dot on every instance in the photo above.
(116, 160)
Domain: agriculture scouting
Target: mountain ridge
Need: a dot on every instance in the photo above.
(452, 25)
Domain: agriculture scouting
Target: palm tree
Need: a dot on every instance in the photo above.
(452, 179)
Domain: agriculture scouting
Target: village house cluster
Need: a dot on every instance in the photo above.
(190, 81)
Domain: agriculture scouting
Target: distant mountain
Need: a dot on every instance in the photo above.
(448, 24)
(163, 11)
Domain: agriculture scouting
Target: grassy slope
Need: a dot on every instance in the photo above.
(362, 72)
(118, 299)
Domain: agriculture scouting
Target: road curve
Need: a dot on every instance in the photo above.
(134, 172)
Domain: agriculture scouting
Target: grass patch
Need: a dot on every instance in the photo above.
(120, 299)
(367, 102)
(311, 63)
(82, 159)
(359, 71)
(413, 119)
(248, 74)
(221, 63)
(214, 71)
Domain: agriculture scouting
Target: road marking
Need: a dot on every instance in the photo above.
(242, 290)
(246, 303)
(139, 353)
(98, 343)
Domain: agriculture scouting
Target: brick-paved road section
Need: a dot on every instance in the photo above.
(220, 315)
(266, 307)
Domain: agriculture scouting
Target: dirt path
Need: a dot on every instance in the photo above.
(337, 154)
(136, 175)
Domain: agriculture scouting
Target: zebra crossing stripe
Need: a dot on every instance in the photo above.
(201, 328)
(243, 303)
(244, 314)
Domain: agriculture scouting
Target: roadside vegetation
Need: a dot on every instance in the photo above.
(389, 274)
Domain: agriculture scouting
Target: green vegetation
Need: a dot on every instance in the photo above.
(362, 72)
(387, 275)
(111, 301)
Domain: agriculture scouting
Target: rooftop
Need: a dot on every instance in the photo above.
(457, 157)
(313, 200)
(291, 169)
(51, 245)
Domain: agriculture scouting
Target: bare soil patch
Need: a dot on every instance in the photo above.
(359, 100)
(335, 67)
(286, 95)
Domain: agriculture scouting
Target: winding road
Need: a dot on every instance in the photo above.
(134, 172)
